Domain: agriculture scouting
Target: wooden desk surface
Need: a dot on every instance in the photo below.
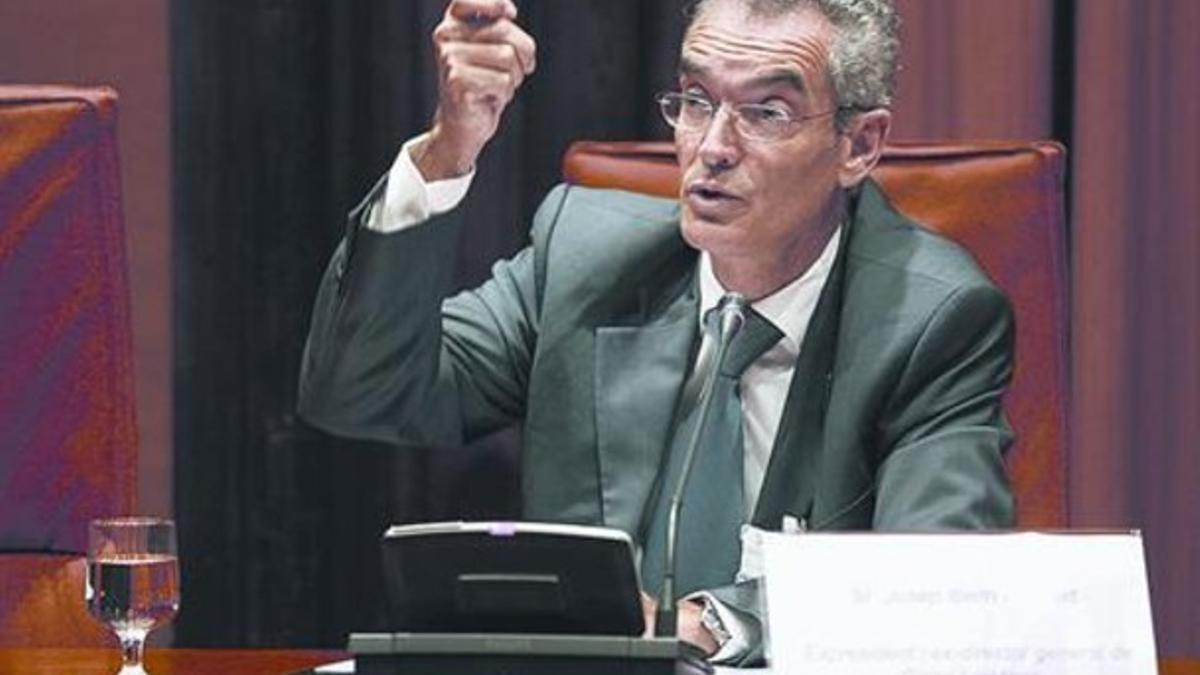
(1179, 667)
(243, 661)
(166, 661)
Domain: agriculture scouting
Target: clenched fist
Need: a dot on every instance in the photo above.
(482, 58)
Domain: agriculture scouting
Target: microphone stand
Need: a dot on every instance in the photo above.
(732, 309)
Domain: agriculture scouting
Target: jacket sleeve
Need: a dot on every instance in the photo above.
(944, 428)
(389, 359)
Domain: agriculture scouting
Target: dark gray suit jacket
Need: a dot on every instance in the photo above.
(893, 420)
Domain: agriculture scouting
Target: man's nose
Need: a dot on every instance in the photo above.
(720, 146)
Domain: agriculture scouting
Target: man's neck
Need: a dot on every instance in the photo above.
(757, 277)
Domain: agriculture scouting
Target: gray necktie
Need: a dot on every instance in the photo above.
(709, 548)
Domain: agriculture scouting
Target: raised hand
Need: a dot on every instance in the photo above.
(482, 57)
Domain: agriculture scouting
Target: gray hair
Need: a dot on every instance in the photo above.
(865, 49)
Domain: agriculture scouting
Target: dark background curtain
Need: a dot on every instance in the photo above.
(286, 111)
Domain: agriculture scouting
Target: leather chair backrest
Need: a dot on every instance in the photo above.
(68, 444)
(42, 603)
(1002, 201)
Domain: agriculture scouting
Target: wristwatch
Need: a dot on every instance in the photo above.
(711, 620)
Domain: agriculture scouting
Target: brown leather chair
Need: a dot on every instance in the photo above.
(1004, 202)
(67, 429)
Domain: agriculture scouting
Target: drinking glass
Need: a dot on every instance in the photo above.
(133, 580)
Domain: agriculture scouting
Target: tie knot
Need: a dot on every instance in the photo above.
(756, 336)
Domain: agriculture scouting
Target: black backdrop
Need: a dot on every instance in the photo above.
(285, 112)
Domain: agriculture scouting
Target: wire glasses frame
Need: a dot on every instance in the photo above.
(755, 121)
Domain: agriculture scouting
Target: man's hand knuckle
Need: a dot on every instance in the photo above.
(456, 81)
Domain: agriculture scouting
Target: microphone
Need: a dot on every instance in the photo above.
(732, 309)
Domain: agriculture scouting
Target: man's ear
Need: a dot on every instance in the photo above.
(863, 144)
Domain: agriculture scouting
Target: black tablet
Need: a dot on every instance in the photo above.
(511, 577)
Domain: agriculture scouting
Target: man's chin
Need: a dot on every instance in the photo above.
(705, 234)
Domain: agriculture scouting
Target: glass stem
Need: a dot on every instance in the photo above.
(133, 645)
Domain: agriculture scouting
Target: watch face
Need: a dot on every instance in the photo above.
(711, 621)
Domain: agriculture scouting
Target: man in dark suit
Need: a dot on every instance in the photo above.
(873, 402)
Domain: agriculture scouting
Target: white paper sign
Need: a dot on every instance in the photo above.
(958, 604)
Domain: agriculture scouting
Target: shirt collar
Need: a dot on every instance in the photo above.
(790, 308)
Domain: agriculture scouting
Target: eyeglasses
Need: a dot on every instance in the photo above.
(755, 121)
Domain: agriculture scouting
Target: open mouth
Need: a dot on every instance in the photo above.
(709, 193)
(711, 202)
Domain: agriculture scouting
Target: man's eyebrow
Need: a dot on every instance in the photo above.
(785, 76)
(691, 68)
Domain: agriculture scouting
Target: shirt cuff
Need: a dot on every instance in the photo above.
(409, 200)
(743, 630)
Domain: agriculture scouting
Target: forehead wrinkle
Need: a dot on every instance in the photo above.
(760, 52)
(771, 76)
(808, 45)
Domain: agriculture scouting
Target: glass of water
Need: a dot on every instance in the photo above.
(133, 580)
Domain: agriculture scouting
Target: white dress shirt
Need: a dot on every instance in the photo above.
(764, 385)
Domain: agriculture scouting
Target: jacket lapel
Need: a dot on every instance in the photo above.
(640, 367)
